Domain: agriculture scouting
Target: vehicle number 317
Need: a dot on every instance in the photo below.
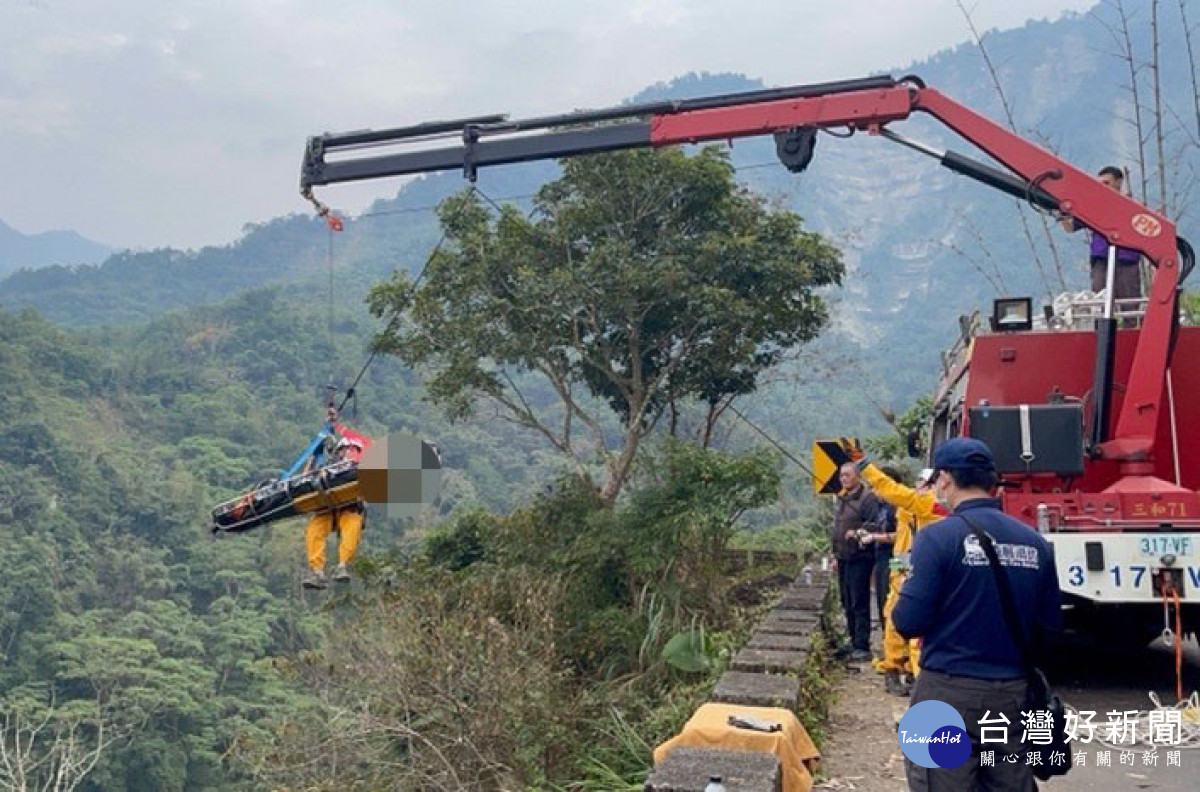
(1134, 576)
(1156, 546)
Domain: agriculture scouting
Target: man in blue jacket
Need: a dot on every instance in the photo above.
(969, 658)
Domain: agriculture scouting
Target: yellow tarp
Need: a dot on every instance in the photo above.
(709, 728)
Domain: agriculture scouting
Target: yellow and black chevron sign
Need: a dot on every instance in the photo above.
(828, 456)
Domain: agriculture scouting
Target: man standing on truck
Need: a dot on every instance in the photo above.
(970, 659)
(1127, 280)
(857, 515)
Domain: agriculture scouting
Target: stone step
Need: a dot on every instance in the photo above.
(757, 690)
(689, 769)
(787, 643)
(801, 602)
(781, 627)
(816, 591)
(792, 614)
(769, 661)
(811, 598)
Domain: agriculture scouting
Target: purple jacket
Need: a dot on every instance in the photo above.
(1099, 247)
(1099, 250)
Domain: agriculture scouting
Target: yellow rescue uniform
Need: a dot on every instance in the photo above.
(347, 521)
(914, 510)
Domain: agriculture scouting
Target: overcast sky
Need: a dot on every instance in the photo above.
(144, 123)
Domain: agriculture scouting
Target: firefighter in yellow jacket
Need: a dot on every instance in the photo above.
(915, 508)
(347, 521)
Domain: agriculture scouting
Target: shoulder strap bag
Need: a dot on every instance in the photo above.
(1039, 696)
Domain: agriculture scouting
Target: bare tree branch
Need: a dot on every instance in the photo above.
(1159, 132)
(1008, 114)
(51, 752)
(1122, 35)
(1187, 37)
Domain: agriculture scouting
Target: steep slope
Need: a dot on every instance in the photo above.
(114, 443)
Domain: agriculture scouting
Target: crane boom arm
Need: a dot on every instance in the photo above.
(793, 115)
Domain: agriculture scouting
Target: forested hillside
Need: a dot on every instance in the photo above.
(177, 659)
(543, 627)
(114, 447)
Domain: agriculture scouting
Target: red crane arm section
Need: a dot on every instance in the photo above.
(859, 109)
(1121, 219)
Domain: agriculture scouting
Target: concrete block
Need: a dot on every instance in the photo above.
(769, 661)
(782, 627)
(757, 690)
(806, 602)
(820, 581)
(792, 614)
(688, 770)
(787, 643)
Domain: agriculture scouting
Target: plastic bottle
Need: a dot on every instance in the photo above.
(714, 785)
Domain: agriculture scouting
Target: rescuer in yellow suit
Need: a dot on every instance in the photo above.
(347, 521)
(915, 508)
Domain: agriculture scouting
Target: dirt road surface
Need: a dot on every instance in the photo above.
(861, 752)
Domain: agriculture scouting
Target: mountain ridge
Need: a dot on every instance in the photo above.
(57, 246)
(917, 239)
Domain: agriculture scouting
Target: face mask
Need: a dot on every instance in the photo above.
(939, 491)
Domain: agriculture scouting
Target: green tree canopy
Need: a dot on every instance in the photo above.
(646, 279)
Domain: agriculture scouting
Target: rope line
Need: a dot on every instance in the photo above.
(1142, 732)
(329, 301)
(772, 441)
(390, 326)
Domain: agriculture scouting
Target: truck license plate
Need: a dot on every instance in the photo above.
(1158, 546)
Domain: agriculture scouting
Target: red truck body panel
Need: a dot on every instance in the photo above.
(1025, 368)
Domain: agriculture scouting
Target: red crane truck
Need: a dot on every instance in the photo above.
(1090, 423)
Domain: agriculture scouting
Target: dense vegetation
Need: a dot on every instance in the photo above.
(534, 633)
(113, 447)
(650, 282)
(538, 636)
(120, 609)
